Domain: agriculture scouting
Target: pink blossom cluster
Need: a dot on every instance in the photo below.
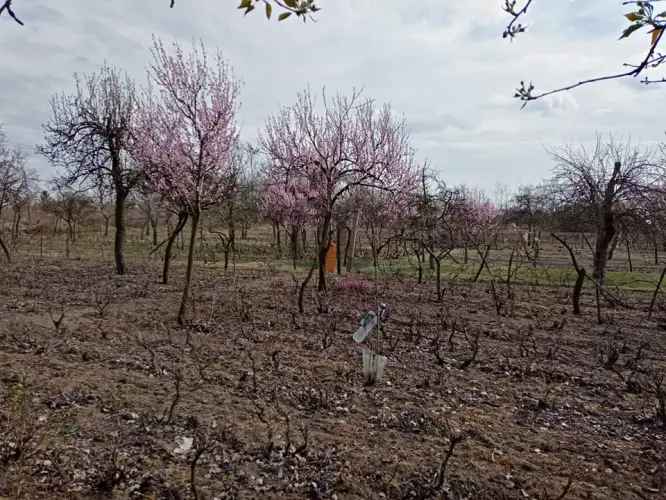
(186, 131)
(289, 202)
(480, 218)
(346, 144)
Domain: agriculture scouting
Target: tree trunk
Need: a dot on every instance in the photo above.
(188, 270)
(293, 236)
(438, 271)
(325, 241)
(232, 231)
(70, 231)
(605, 233)
(5, 250)
(631, 265)
(182, 220)
(16, 226)
(656, 291)
(580, 279)
(419, 260)
(580, 272)
(153, 224)
(278, 241)
(352, 237)
(338, 235)
(119, 243)
(301, 291)
(347, 245)
(656, 252)
(226, 257)
(484, 259)
(613, 246)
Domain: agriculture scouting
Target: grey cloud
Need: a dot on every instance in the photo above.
(442, 65)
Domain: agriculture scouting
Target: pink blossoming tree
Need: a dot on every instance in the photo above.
(479, 221)
(345, 144)
(186, 132)
(288, 203)
(384, 215)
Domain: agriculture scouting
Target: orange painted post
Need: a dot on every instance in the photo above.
(331, 258)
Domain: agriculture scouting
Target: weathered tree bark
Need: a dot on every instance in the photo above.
(188, 270)
(605, 233)
(119, 219)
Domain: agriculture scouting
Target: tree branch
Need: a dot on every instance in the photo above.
(8, 7)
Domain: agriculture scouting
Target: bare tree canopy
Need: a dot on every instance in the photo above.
(609, 181)
(88, 135)
(15, 180)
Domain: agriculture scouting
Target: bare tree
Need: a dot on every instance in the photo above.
(149, 203)
(528, 209)
(22, 200)
(104, 202)
(609, 182)
(433, 226)
(72, 206)
(14, 181)
(88, 135)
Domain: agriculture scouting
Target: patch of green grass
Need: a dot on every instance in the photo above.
(525, 275)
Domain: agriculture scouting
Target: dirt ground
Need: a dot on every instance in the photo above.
(102, 395)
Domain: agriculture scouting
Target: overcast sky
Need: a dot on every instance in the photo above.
(443, 65)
